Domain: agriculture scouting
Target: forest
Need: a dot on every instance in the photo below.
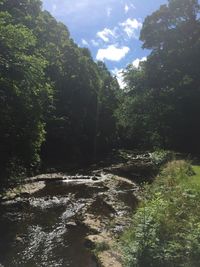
(59, 106)
(56, 102)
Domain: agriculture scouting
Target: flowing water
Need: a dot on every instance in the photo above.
(46, 229)
(36, 231)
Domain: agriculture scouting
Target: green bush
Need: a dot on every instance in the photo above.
(160, 157)
(102, 246)
(166, 227)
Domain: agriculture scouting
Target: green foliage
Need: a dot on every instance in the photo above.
(23, 92)
(160, 106)
(160, 157)
(102, 246)
(165, 229)
(55, 100)
(195, 178)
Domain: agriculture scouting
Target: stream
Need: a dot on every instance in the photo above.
(49, 227)
(34, 231)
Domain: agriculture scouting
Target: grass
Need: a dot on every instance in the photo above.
(102, 246)
(165, 230)
(195, 179)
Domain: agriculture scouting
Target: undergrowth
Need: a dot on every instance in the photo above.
(165, 230)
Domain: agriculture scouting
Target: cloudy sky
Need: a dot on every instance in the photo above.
(109, 28)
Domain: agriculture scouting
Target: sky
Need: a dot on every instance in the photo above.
(109, 28)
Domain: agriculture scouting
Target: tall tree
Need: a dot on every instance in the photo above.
(164, 93)
(23, 92)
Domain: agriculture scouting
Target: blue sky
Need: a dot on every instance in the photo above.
(109, 28)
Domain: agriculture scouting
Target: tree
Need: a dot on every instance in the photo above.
(167, 86)
(22, 93)
(50, 92)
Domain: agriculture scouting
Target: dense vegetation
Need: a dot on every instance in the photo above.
(166, 229)
(56, 103)
(161, 105)
(161, 109)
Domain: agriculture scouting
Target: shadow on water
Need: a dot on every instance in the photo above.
(34, 232)
(63, 189)
(45, 229)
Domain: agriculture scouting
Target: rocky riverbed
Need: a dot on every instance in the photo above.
(79, 215)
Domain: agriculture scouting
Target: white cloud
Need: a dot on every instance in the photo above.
(130, 26)
(119, 75)
(119, 72)
(112, 53)
(108, 11)
(94, 42)
(137, 61)
(84, 42)
(106, 34)
(126, 8)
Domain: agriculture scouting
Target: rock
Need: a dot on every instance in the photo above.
(23, 190)
(93, 223)
(109, 259)
(137, 170)
(99, 238)
(101, 207)
(71, 224)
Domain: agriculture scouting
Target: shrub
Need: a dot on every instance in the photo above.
(160, 157)
(166, 230)
(102, 246)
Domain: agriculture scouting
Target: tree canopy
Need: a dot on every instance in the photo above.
(55, 101)
(162, 100)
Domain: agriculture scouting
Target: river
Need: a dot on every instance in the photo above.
(35, 231)
(49, 227)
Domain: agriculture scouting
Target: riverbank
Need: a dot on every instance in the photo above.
(134, 165)
(165, 229)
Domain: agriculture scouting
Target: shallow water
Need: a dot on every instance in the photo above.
(34, 231)
(46, 230)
